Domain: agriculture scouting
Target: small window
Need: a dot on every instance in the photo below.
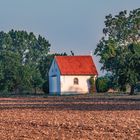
(76, 81)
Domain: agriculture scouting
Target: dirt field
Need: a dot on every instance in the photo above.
(70, 117)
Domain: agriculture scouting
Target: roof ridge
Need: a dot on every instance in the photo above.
(73, 56)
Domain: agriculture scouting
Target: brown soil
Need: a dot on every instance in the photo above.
(68, 118)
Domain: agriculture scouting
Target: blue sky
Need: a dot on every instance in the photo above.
(68, 24)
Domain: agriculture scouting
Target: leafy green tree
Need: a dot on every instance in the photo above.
(119, 47)
(37, 80)
(30, 47)
(23, 81)
(20, 56)
(112, 84)
(9, 68)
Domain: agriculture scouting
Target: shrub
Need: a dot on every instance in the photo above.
(45, 87)
(137, 87)
(92, 85)
(102, 84)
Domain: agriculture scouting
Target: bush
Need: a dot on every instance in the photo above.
(45, 87)
(137, 87)
(102, 84)
(92, 85)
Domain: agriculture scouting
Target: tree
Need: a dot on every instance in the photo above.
(112, 84)
(20, 55)
(119, 47)
(37, 80)
(9, 68)
(31, 48)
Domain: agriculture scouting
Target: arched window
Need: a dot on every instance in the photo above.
(76, 81)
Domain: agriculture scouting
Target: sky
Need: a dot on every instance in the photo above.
(68, 24)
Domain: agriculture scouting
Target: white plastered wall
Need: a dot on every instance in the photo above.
(68, 86)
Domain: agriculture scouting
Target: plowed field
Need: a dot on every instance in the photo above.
(70, 117)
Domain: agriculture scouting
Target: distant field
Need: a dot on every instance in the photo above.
(70, 117)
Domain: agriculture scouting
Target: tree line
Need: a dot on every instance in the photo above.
(24, 62)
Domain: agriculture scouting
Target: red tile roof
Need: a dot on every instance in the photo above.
(76, 65)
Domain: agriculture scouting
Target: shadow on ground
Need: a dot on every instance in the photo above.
(82, 103)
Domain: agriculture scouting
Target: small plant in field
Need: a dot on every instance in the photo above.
(92, 84)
